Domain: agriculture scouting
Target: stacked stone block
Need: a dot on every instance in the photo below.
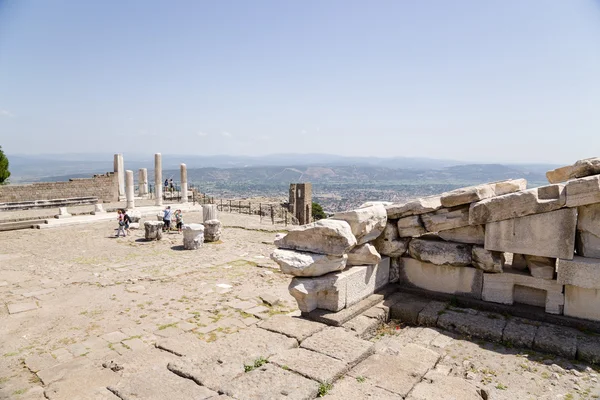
(503, 243)
(334, 262)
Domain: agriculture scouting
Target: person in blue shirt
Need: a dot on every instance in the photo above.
(167, 218)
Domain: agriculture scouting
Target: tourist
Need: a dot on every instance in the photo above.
(179, 220)
(166, 184)
(167, 218)
(171, 187)
(127, 220)
(121, 219)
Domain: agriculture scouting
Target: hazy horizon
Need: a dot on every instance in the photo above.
(495, 82)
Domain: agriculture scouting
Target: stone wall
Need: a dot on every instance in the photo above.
(105, 187)
(498, 242)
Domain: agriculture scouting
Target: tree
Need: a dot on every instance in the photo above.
(4, 172)
(317, 211)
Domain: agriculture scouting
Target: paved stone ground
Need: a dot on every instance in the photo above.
(94, 317)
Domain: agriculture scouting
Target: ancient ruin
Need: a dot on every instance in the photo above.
(498, 242)
(300, 202)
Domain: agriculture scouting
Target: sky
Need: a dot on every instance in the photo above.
(471, 80)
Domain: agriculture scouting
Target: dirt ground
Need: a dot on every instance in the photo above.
(85, 283)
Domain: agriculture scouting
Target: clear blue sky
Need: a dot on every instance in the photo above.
(494, 80)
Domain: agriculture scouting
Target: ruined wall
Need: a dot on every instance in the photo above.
(105, 187)
(300, 201)
(498, 242)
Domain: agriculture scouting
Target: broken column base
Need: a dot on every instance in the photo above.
(516, 287)
(338, 290)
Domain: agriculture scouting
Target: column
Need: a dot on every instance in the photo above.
(184, 185)
(142, 182)
(158, 184)
(129, 190)
(119, 170)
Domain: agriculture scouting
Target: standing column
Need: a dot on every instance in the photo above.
(158, 185)
(119, 170)
(184, 187)
(143, 182)
(129, 190)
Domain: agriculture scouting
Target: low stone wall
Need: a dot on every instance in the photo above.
(104, 187)
(498, 242)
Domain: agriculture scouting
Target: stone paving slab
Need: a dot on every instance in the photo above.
(379, 312)
(483, 325)
(66, 391)
(313, 365)
(406, 307)
(448, 388)
(556, 340)
(271, 382)
(340, 344)
(588, 348)
(16, 308)
(38, 362)
(349, 388)
(396, 373)
(38, 293)
(363, 327)
(114, 337)
(297, 328)
(519, 332)
(209, 372)
(430, 313)
(159, 384)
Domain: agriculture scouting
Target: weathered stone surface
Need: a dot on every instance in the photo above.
(430, 314)
(98, 209)
(510, 186)
(446, 218)
(588, 231)
(468, 194)
(363, 326)
(580, 271)
(339, 344)
(394, 269)
(448, 387)
(541, 267)
(488, 261)
(350, 388)
(62, 213)
(389, 243)
(210, 212)
(153, 230)
(410, 226)
(584, 191)
(364, 254)
(488, 326)
(372, 203)
(212, 230)
(327, 236)
(366, 223)
(302, 263)
(327, 292)
(502, 288)
(296, 328)
(16, 308)
(519, 332)
(472, 234)
(581, 168)
(582, 303)
(310, 364)
(271, 382)
(588, 348)
(397, 373)
(549, 234)
(159, 383)
(465, 281)
(406, 308)
(440, 253)
(193, 236)
(556, 340)
(414, 207)
(516, 261)
(533, 201)
(363, 281)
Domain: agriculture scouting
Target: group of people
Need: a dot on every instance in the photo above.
(124, 221)
(169, 185)
(168, 216)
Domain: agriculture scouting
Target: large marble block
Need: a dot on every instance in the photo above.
(580, 271)
(465, 281)
(549, 234)
(588, 231)
(582, 302)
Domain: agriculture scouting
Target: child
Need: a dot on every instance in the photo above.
(121, 220)
(179, 220)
